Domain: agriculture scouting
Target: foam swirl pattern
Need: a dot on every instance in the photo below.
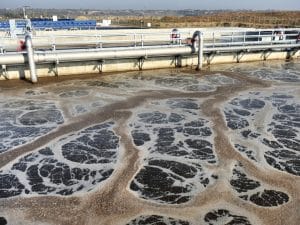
(265, 127)
(23, 121)
(177, 144)
(76, 163)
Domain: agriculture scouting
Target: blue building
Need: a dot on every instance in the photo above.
(61, 24)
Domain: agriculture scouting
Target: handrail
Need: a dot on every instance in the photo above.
(166, 35)
(218, 38)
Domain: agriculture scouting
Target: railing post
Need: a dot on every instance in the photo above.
(53, 42)
(100, 41)
(30, 56)
(134, 37)
(142, 40)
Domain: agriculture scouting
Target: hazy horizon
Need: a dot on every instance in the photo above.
(156, 4)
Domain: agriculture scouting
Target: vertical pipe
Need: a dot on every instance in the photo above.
(198, 34)
(200, 51)
(30, 56)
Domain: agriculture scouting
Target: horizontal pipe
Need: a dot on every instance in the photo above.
(111, 54)
(117, 53)
(93, 54)
(12, 46)
(13, 58)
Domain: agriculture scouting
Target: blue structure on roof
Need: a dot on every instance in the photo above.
(4, 25)
(62, 24)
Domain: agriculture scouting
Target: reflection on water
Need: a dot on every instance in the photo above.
(156, 147)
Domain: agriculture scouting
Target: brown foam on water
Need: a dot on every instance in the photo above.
(114, 204)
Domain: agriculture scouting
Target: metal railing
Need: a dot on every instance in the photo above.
(212, 40)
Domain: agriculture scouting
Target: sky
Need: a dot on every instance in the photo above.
(156, 4)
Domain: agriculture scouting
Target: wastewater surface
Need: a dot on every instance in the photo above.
(163, 147)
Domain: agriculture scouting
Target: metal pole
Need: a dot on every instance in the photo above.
(30, 55)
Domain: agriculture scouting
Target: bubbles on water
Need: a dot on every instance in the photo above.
(74, 93)
(97, 83)
(98, 147)
(75, 163)
(266, 127)
(187, 82)
(223, 216)
(254, 191)
(287, 72)
(157, 220)
(161, 80)
(177, 144)
(24, 120)
(35, 92)
(174, 139)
